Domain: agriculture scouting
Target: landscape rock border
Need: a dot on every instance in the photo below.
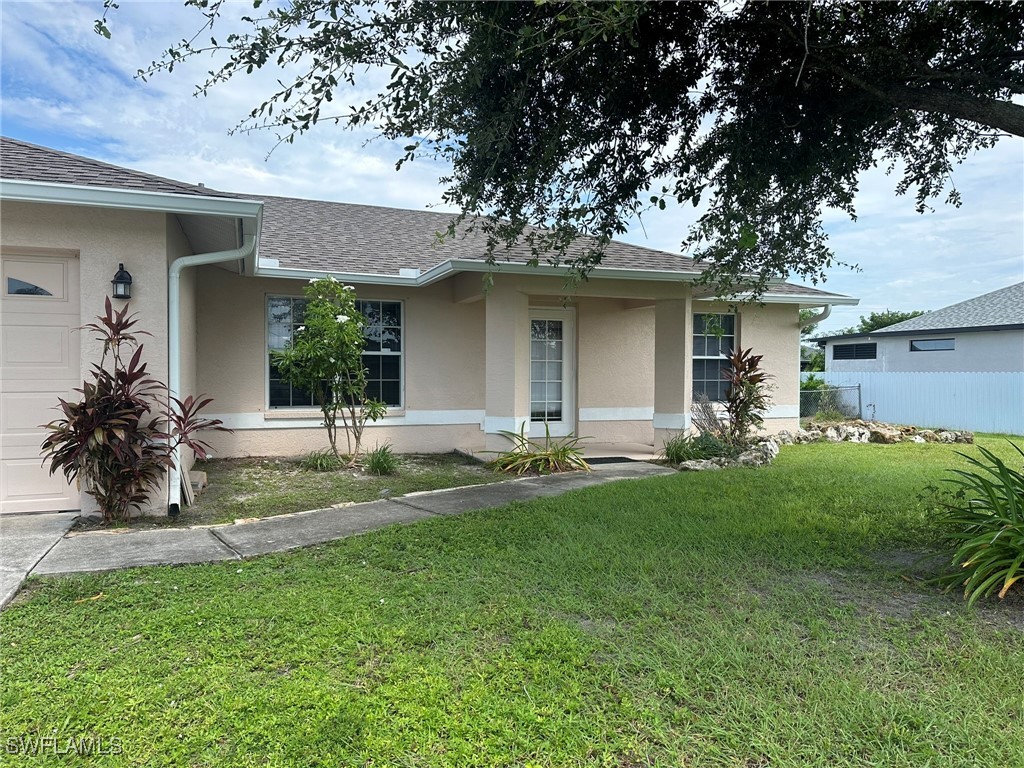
(856, 431)
(860, 431)
(758, 455)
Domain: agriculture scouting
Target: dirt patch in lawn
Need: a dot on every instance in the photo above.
(258, 487)
(909, 595)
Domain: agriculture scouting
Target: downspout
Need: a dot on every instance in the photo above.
(825, 312)
(174, 338)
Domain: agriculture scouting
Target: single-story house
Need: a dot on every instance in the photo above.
(218, 279)
(985, 333)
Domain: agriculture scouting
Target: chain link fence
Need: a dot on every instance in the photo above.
(831, 402)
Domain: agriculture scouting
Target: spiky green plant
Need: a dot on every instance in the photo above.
(323, 460)
(381, 460)
(553, 455)
(983, 527)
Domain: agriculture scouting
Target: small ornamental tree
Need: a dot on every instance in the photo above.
(120, 438)
(325, 358)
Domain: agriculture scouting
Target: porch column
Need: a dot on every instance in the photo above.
(673, 347)
(507, 365)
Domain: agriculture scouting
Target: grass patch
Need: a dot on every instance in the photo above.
(734, 618)
(262, 487)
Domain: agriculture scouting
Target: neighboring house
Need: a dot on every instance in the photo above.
(218, 278)
(960, 367)
(985, 333)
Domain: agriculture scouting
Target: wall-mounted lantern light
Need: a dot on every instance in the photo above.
(122, 283)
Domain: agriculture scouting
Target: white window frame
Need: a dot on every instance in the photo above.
(694, 356)
(305, 409)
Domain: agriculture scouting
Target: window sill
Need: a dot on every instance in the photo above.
(296, 414)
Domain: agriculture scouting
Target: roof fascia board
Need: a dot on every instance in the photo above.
(366, 278)
(604, 273)
(803, 300)
(105, 197)
(452, 266)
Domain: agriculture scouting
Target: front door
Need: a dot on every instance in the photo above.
(39, 353)
(552, 372)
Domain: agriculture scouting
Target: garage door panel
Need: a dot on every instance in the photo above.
(39, 363)
(28, 348)
(28, 486)
(20, 414)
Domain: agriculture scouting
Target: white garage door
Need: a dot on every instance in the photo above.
(39, 354)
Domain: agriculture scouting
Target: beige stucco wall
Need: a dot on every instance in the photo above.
(299, 442)
(616, 354)
(103, 238)
(771, 330)
(467, 357)
(443, 358)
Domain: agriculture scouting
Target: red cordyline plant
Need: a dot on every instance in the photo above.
(749, 394)
(119, 439)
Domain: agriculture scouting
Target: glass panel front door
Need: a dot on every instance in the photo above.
(551, 373)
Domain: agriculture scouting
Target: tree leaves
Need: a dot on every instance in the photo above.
(558, 119)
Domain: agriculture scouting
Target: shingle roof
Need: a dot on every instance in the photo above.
(315, 234)
(335, 237)
(997, 308)
(21, 161)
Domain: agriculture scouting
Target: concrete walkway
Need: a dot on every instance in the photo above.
(24, 540)
(95, 551)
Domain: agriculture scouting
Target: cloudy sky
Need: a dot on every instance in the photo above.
(65, 87)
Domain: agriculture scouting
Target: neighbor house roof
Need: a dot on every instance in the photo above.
(322, 236)
(1002, 309)
(22, 161)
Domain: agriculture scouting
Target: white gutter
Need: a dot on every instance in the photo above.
(453, 266)
(174, 337)
(815, 319)
(268, 268)
(104, 197)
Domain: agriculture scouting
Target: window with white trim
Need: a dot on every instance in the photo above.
(714, 339)
(382, 355)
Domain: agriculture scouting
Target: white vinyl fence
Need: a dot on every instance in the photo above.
(982, 402)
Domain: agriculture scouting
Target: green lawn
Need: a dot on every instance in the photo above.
(733, 618)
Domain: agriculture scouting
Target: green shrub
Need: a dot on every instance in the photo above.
(381, 461)
(812, 384)
(680, 448)
(982, 524)
(322, 461)
(526, 455)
